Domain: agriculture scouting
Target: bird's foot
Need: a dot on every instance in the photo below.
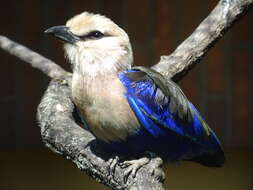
(134, 165)
(113, 161)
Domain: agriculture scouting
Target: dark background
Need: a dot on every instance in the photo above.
(221, 87)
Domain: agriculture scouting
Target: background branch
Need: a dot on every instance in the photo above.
(36, 60)
(195, 47)
(59, 129)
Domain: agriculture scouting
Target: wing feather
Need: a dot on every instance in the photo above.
(160, 105)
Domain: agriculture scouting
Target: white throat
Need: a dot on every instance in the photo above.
(92, 61)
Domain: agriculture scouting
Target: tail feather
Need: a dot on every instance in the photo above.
(208, 159)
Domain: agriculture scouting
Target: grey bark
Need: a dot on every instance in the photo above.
(58, 123)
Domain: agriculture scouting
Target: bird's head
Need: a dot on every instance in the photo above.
(94, 44)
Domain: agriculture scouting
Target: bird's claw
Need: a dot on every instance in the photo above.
(133, 166)
(112, 164)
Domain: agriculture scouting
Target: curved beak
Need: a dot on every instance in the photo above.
(63, 33)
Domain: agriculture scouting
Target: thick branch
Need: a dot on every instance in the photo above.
(193, 49)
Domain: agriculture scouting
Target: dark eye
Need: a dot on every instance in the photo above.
(95, 34)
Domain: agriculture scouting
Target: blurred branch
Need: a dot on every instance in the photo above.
(195, 47)
(59, 129)
(36, 60)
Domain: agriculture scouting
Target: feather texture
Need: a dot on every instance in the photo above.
(169, 118)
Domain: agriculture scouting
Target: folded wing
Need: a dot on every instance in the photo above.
(161, 107)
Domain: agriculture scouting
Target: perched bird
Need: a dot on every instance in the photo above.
(131, 109)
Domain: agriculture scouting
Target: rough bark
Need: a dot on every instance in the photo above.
(56, 114)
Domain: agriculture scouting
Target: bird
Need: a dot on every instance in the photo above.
(132, 109)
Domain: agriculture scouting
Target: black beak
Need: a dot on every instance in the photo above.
(63, 33)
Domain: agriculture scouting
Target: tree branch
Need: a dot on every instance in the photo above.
(56, 115)
(195, 47)
(36, 60)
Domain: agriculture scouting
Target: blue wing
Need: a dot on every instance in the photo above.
(162, 109)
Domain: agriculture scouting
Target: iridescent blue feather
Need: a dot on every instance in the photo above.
(171, 125)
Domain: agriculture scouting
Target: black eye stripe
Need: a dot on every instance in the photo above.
(93, 35)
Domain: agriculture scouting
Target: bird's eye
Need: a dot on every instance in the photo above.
(95, 34)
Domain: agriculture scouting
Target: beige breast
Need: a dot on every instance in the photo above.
(102, 103)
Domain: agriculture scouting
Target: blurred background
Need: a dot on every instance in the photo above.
(221, 86)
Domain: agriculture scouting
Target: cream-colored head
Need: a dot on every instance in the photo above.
(94, 44)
